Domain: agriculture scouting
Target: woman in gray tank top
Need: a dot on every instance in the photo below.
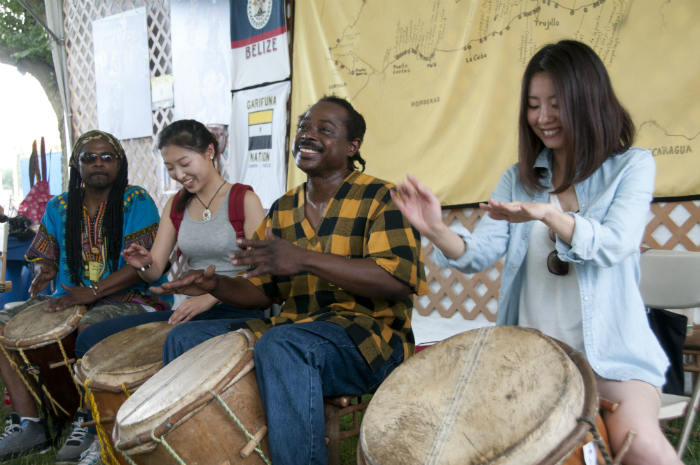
(206, 235)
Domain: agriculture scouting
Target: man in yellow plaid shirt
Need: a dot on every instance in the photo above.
(340, 256)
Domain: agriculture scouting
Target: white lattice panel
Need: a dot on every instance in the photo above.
(671, 226)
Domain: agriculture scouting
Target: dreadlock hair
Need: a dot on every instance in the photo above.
(355, 127)
(191, 135)
(112, 223)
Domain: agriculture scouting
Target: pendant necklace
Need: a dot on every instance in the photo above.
(206, 214)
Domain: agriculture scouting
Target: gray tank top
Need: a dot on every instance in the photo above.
(210, 242)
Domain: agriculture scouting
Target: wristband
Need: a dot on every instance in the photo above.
(93, 288)
(143, 268)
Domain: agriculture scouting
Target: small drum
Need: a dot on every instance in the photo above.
(197, 408)
(497, 395)
(47, 340)
(119, 364)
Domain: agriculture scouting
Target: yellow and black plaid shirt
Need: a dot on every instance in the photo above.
(361, 221)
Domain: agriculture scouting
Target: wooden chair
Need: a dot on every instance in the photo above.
(5, 286)
(670, 280)
(333, 409)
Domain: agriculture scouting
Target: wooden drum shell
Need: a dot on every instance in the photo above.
(35, 332)
(210, 436)
(177, 405)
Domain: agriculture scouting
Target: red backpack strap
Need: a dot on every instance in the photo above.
(176, 217)
(236, 210)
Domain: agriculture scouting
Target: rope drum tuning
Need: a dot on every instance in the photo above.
(597, 439)
(70, 369)
(240, 425)
(106, 452)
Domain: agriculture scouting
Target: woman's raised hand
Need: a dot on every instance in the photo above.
(137, 256)
(419, 205)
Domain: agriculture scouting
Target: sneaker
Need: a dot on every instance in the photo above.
(91, 456)
(78, 441)
(23, 437)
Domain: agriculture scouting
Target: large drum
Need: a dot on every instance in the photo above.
(47, 341)
(118, 365)
(497, 395)
(198, 406)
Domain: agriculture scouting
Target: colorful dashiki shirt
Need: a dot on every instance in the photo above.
(140, 226)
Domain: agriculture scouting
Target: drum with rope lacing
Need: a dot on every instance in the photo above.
(44, 352)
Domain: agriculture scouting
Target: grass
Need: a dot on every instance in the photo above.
(348, 447)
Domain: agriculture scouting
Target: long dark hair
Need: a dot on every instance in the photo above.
(112, 222)
(355, 127)
(191, 135)
(594, 123)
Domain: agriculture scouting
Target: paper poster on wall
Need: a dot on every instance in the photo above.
(201, 60)
(122, 76)
(258, 131)
(258, 42)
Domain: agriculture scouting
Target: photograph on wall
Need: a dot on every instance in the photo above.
(259, 46)
(122, 76)
(258, 131)
(201, 60)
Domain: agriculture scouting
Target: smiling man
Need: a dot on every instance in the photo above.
(345, 264)
(80, 237)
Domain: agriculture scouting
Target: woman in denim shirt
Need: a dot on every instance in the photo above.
(570, 215)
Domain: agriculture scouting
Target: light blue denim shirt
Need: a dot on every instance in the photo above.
(614, 203)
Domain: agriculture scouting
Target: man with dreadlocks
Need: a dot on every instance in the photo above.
(346, 263)
(79, 242)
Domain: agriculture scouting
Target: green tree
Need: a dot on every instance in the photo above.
(25, 45)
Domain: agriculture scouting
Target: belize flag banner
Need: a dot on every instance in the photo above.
(258, 42)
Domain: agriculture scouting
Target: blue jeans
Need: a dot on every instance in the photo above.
(99, 331)
(296, 366)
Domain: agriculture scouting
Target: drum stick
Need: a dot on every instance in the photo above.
(625, 446)
(607, 405)
(62, 363)
(103, 421)
(250, 447)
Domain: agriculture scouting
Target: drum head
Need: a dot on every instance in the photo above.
(497, 395)
(33, 327)
(128, 356)
(178, 384)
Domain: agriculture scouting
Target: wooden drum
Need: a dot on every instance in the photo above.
(497, 395)
(39, 336)
(177, 407)
(118, 365)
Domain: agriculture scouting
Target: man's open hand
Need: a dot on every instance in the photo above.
(274, 256)
(194, 283)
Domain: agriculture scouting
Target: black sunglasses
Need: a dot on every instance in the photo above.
(91, 157)
(554, 263)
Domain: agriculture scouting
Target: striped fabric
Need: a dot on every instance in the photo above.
(361, 221)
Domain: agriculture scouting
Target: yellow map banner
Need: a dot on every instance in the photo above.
(439, 81)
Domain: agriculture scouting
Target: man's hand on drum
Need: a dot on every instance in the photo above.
(137, 256)
(44, 275)
(194, 283)
(75, 296)
(191, 308)
(274, 256)
(516, 212)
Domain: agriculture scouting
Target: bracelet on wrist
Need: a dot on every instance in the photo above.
(143, 268)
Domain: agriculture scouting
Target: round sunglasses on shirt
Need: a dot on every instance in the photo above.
(554, 263)
(91, 157)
